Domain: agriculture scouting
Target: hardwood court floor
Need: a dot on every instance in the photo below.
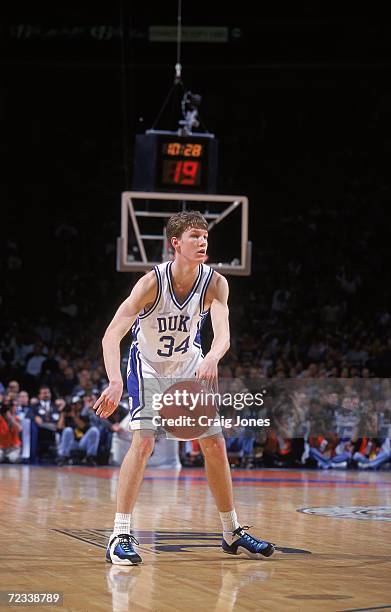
(55, 522)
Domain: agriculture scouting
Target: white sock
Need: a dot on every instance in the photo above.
(121, 523)
(230, 522)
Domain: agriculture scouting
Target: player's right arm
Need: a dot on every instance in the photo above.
(142, 294)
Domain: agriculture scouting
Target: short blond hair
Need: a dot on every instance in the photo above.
(180, 222)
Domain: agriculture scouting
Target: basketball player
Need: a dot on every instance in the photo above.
(167, 308)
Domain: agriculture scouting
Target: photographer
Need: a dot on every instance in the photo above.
(10, 429)
(77, 434)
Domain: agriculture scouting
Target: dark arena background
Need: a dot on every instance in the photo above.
(298, 99)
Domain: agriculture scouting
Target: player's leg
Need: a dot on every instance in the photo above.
(132, 469)
(235, 540)
(217, 471)
(120, 549)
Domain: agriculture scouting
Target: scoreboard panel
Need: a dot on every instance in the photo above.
(169, 162)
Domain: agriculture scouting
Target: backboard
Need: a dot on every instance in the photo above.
(144, 215)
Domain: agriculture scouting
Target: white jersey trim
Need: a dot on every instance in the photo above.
(192, 290)
(158, 295)
(204, 290)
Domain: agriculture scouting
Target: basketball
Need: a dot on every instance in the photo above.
(188, 409)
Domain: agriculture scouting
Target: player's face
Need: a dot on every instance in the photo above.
(193, 244)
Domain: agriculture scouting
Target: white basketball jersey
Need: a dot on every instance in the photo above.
(168, 334)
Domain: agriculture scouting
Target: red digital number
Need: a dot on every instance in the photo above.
(186, 173)
(181, 172)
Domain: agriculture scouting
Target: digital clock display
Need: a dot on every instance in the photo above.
(183, 163)
(184, 149)
(167, 161)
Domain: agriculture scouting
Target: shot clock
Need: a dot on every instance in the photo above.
(165, 161)
(181, 163)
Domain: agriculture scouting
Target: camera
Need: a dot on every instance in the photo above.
(190, 103)
(191, 100)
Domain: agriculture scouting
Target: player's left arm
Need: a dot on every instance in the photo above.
(220, 322)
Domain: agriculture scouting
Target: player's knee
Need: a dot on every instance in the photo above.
(213, 448)
(143, 446)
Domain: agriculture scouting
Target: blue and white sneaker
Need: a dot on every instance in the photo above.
(248, 545)
(120, 550)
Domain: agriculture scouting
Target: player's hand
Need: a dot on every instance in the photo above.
(109, 400)
(207, 370)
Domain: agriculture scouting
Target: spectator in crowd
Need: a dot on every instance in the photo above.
(66, 381)
(373, 454)
(44, 404)
(105, 426)
(321, 442)
(347, 429)
(45, 418)
(85, 385)
(234, 440)
(25, 414)
(10, 429)
(13, 389)
(77, 434)
(35, 360)
(49, 367)
(23, 404)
